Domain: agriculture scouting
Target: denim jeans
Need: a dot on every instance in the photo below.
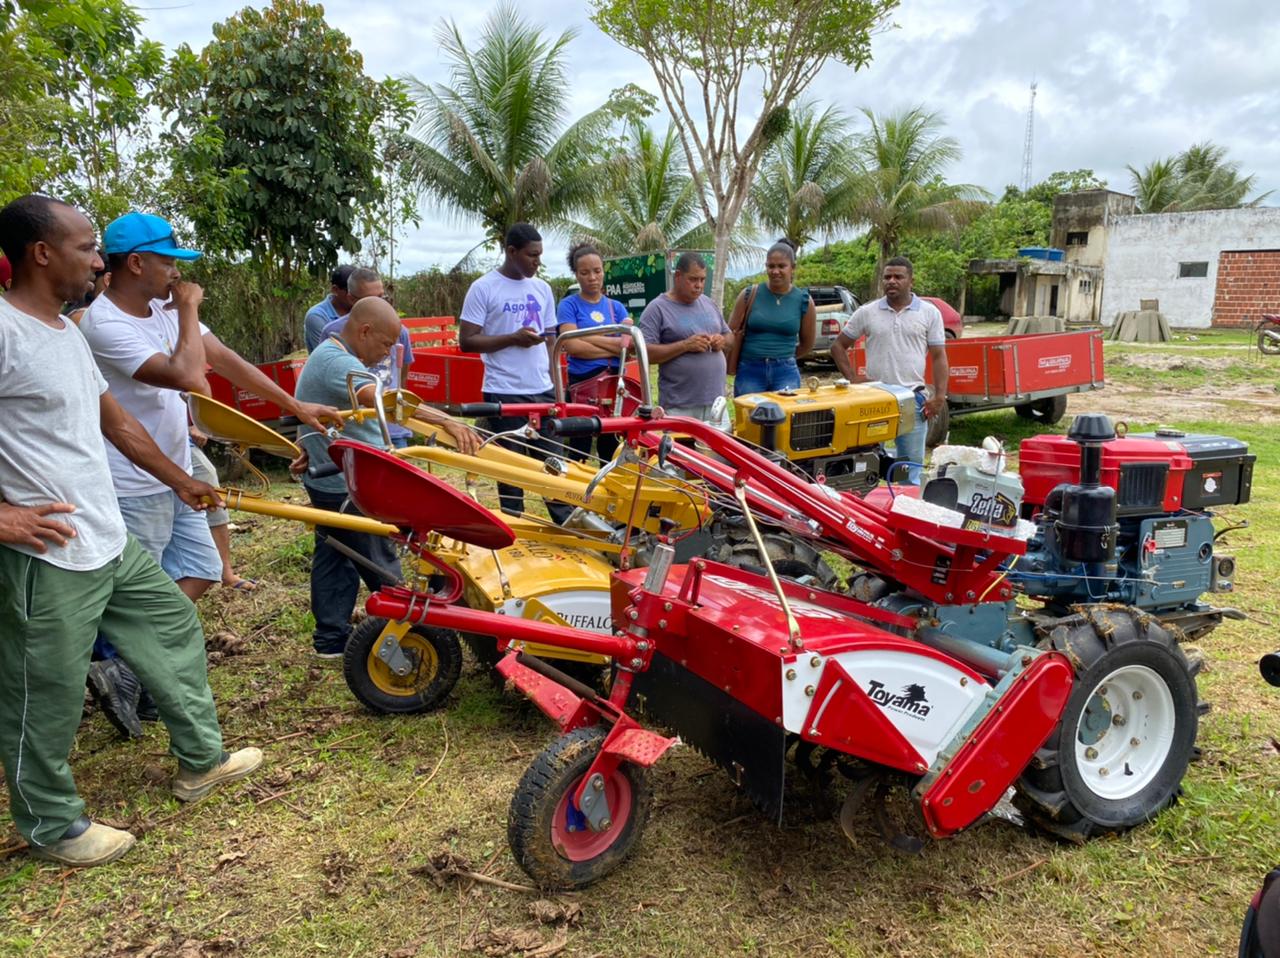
(766, 375)
(512, 497)
(335, 579)
(910, 447)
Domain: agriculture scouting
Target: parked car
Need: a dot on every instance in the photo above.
(835, 305)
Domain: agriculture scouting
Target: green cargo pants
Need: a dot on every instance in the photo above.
(48, 620)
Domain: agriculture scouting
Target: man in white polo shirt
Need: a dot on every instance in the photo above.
(901, 329)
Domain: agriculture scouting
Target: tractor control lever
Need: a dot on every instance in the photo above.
(624, 456)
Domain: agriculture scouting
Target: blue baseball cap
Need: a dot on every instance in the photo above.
(143, 233)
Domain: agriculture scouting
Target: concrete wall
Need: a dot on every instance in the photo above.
(1144, 253)
(1088, 211)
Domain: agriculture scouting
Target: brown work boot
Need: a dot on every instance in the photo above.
(192, 786)
(92, 845)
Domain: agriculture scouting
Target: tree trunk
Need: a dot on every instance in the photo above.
(721, 262)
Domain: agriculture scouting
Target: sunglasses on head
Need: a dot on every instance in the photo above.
(142, 247)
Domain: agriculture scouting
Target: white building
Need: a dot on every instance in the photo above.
(1210, 268)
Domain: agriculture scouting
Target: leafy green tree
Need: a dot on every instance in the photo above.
(401, 192)
(655, 207)
(805, 185)
(1063, 181)
(493, 143)
(706, 54)
(1199, 178)
(902, 160)
(278, 104)
(77, 77)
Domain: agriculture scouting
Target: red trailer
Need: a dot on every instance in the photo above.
(1034, 373)
(441, 372)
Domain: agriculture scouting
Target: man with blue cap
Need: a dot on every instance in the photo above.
(146, 335)
(147, 338)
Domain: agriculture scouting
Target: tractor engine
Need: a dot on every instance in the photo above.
(832, 432)
(1127, 520)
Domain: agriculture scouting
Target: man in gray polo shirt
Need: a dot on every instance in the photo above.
(900, 329)
(686, 336)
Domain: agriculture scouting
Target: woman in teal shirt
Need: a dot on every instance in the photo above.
(774, 324)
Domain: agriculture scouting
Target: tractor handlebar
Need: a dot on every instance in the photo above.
(323, 469)
(573, 426)
(478, 410)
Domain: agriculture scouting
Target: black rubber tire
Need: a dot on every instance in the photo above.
(1265, 343)
(556, 771)
(424, 692)
(1048, 410)
(1052, 792)
(937, 428)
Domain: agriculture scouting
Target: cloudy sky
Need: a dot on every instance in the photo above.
(1118, 82)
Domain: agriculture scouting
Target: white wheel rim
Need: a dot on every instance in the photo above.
(1130, 752)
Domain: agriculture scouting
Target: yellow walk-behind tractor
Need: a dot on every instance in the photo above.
(550, 574)
(395, 667)
(833, 432)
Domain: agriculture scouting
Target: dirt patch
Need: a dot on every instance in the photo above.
(1241, 404)
(1171, 361)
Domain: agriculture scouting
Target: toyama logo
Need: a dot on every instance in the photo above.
(1056, 363)
(910, 700)
(965, 373)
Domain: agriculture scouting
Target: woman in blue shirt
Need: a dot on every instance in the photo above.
(774, 324)
(591, 355)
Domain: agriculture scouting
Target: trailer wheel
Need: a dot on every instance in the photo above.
(1049, 410)
(937, 428)
(549, 836)
(1127, 734)
(435, 656)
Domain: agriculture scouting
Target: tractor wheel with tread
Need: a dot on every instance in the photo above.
(937, 427)
(548, 835)
(1121, 748)
(1048, 410)
(436, 655)
(792, 558)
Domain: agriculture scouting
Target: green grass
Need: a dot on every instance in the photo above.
(316, 854)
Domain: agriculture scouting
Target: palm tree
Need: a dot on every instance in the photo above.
(805, 187)
(655, 204)
(900, 188)
(655, 207)
(1199, 178)
(1156, 186)
(492, 144)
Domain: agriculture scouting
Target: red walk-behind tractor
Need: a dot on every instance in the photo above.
(927, 675)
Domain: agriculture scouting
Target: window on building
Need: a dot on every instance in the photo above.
(1086, 286)
(1080, 238)
(1193, 270)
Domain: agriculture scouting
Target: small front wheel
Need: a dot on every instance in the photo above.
(434, 657)
(548, 834)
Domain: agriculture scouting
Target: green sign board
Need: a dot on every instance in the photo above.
(636, 281)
